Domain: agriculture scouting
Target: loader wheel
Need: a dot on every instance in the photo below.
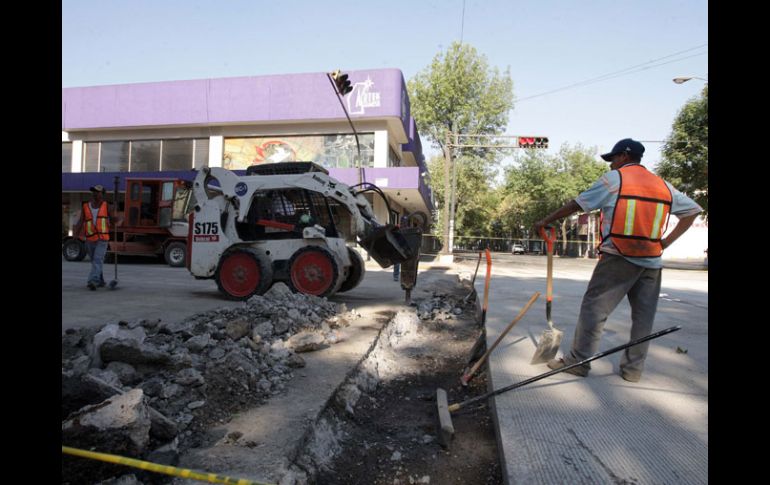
(355, 273)
(242, 273)
(73, 250)
(313, 270)
(175, 254)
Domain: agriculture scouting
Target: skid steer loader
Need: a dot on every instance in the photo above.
(288, 222)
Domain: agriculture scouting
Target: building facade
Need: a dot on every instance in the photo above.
(170, 129)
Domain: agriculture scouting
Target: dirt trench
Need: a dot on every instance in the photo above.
(389, 435)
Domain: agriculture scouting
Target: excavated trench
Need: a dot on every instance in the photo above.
(380, 425)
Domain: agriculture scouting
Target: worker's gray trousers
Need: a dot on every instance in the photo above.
(615, 277)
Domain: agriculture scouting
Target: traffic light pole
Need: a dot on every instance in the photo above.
(447, 249)
(450, 196)
(332, 77)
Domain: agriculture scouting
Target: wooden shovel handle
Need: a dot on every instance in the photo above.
(478, 363)
(486, 280)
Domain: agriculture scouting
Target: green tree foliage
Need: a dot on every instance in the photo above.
(686, 152)
(460, 93)
(538, 184)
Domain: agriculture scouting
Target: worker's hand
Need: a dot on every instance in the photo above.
(539, 225)
(665, 243)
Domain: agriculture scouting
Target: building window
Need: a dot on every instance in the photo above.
(66, 157)
(142, 155)
(177, 155)
(91, 158)
(145, 156)
(114, 156)
(329, 151)
(201, 153)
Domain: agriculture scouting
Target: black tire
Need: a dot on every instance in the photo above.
(243, 273)
(73, 250)
(355, 273)
(176, 254)
(320, 275)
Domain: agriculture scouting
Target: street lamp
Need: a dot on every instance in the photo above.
(684, 79)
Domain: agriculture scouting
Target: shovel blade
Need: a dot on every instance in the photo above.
(113, 284)
(547, 346)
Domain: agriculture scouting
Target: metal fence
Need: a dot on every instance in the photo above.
(432, 244)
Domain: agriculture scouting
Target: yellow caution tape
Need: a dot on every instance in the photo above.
(154, 467)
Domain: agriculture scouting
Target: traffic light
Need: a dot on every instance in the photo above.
(342, 82)
(533, 142)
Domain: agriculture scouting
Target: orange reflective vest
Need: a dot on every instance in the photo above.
(102, 228)
(641, 213)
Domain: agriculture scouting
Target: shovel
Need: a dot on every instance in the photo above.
(114, 283)
(446, 428)
(551, 337)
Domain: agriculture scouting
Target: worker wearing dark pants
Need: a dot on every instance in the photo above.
(613, 279)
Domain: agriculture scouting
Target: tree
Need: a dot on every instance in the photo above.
(538, 184)
(685, 160)
(460, 93)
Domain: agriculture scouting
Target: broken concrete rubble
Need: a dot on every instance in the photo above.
(201, 370)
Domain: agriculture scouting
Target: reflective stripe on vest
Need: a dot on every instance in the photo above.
(641, 213)
(102, 229)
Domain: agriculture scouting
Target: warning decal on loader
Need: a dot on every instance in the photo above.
(214, 238)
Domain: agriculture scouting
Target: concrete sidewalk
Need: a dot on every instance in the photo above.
(599, 429)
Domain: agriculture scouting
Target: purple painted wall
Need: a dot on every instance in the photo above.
(291, 97)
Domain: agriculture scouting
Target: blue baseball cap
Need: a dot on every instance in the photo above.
(626, 145)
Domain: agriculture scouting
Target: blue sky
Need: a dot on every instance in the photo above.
(547, 44)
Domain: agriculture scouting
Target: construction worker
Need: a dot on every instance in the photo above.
(635, 205)
(94, 225)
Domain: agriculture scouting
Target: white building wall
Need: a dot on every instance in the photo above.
(77, 156)
(693, 244)
(381, 149)
(216, 148)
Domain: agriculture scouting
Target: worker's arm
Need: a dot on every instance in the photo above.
(681, 227)
(567, 209)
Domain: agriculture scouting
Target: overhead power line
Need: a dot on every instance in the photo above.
(623, 72)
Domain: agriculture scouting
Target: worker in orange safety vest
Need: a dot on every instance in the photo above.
(635, 206)
(94, 225)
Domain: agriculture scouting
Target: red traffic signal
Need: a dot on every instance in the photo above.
(342, 82)
(533, 142)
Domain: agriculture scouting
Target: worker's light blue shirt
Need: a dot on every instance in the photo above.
(603, 194)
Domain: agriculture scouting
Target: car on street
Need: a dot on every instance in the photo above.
(517, 249)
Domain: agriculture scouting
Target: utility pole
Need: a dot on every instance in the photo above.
(447, 248)
(450, 196)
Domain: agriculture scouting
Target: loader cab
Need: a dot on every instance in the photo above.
(284, 213)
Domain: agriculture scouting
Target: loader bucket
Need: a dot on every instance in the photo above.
(389, 244)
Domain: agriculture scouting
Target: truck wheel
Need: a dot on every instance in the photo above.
(313, 270)
(73, 250)
(242, 273)
(355, 273)
(175, 254)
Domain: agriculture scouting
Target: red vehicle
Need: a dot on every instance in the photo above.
(153, 215)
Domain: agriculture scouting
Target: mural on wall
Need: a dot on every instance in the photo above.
(329, 151)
